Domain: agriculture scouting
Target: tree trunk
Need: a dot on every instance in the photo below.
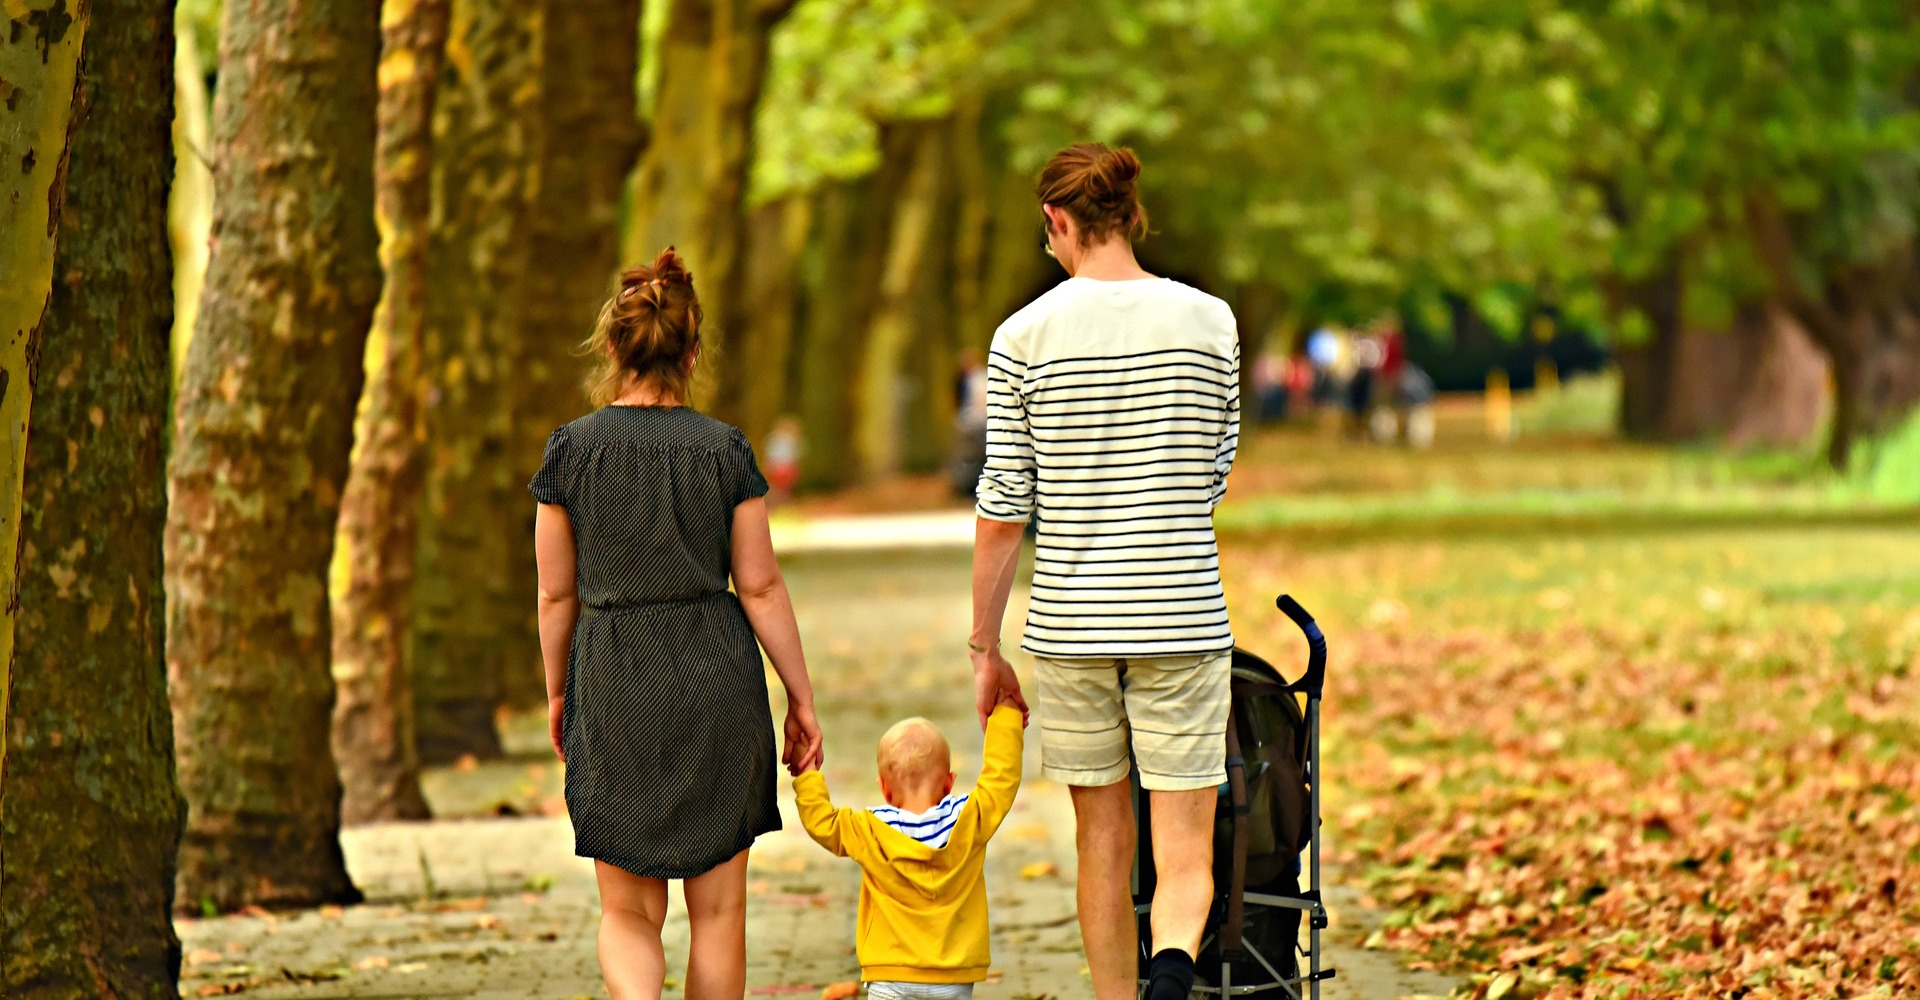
(1787, 397)
(780, 230)
(264, 427)
(1646, 367)
(466, 590)
(691, 188)
(1865, 319)
(39, 62)
(840, 296)
(1257, 309)
(89, 813)
(912, 219)
(373, 721)
(1016, 269)
(1759, 381)
(591, 136)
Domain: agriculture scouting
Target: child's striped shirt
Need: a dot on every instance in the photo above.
(931, 828)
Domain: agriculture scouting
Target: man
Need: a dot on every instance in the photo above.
(1113, 418)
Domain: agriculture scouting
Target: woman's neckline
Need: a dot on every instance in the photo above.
(647, 406)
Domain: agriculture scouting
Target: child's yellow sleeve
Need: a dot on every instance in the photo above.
(999, 768)
(829, 827)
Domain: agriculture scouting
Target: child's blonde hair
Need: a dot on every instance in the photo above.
(913, 754)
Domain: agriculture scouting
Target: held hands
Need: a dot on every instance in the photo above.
(805, 747)
(994, 684)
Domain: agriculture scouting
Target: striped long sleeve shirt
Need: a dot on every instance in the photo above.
(1113, 418)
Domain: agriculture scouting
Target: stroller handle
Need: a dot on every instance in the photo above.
(1315, 679)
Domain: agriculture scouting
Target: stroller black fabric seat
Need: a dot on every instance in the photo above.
(1267, 815)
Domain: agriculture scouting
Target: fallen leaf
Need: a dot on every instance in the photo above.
(1039, 869)
(202, 956)
(372, 962)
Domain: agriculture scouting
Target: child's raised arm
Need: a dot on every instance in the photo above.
(1000, 766)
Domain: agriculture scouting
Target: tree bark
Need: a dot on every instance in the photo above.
(780, 230)
(691, 188)
(1646, 368)
(1787, 396)
(39, 63)
(373, 720)
(912, 219)
(466, 590)
(1257, 309)
(89, 812)
(850, 238)
(1760, 381)
(264, 427)
(1864, 318)
(591, 136)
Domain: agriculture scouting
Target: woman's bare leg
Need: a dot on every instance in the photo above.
(717, 911)
(632, 910)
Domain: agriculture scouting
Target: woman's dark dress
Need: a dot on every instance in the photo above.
(669, 740)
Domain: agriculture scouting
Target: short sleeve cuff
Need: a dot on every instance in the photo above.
(549, 484)
(749, 483)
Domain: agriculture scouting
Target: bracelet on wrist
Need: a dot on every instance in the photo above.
(988, 648)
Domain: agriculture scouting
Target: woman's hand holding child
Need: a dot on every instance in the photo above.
(805, 746)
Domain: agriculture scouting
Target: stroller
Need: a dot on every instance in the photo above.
(1268, 813)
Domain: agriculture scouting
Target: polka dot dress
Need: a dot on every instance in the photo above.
(671, 764)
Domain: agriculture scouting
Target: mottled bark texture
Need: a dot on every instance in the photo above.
(768, 331)
(467, 605)
(841, 291)
(373, 719)
(39, 61)
(1864, 317)
(89, 813)
(264, 426)
(913, 221)
(691, 188)
(1646, 365)
(1759, 381)
(591, 139)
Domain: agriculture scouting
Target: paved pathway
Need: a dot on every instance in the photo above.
(498, 908)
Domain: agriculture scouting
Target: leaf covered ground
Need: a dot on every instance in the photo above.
(1605, 722)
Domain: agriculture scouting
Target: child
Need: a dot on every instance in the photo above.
(922, 856)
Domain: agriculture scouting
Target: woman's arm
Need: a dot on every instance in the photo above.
(559, 607)
(763, 593)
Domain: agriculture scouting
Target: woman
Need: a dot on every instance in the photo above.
(657, 700)
(1114, 415)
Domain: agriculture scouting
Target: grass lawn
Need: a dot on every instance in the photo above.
(1606, 721)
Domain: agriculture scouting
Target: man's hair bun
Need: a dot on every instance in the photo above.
(1099, 186)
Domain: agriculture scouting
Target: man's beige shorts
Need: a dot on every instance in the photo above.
(1174, 708)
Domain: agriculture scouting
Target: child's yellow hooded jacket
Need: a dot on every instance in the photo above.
(923, 910)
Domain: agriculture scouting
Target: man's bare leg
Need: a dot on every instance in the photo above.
(1183, 866)
(1106, 841)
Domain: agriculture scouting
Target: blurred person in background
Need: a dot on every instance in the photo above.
(968, 453)
(783, 459)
